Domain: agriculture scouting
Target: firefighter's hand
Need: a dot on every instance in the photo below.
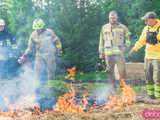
(108, 69)
(131, 52)
(21, 60)
(101, 56)
(60, 53)
(124, 48)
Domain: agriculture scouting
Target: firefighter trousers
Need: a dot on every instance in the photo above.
(48, 62)
(111, 61)
(152, 76)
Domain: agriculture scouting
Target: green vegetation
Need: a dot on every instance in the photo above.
(77, 23)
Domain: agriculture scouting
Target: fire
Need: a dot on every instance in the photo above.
(68, 102)
(72, 72)
(127, 97)
(25, 106)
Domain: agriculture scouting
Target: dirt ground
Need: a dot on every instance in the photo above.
(132, 112)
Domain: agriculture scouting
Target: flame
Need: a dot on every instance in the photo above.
(68, 102)
(81, 73)
(26, 105)
(72, 72)
(127, 97)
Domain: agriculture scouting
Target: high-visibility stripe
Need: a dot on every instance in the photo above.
(110, 52)
(117, 29)
(128, 42)
(56, 38)
(157, 94)
(157, 91)
(14, 46)
(44, 38)
(138, 44)
(41, 55)
(8, 43)
(1, 43)
(128, 34)
(51, 83)
(150, 93)
(157, 88)
(153, 53)
(59, 46)
(150, 89)
(150, 86)
(101, 47)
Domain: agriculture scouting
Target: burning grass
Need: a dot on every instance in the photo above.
(68, 104)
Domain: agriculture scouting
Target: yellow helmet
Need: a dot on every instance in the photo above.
(38, 24)
(2, 22)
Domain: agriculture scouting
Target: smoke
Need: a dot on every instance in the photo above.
(18, 90)
(102, 93)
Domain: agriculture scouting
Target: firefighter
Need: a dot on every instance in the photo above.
(8, 52)
(150, 37)
(114, 40)
(46, 44)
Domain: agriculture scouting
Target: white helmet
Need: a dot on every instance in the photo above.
(2, 22)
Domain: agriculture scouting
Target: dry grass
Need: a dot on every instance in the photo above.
(132, 112)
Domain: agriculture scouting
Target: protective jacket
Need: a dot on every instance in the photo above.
(112, 39)
(152, 51)
(45, 43)
(8, 47)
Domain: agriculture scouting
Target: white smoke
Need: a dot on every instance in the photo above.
(15, 91)
(102, 93)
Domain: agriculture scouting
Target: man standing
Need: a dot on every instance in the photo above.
(150, 38)
(8, 52)
(114, 40)
(46, 44)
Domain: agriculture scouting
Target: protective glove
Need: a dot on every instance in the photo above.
(60, 53)
(108, 69)
(131, 52)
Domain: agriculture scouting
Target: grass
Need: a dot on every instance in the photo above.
(91, 87)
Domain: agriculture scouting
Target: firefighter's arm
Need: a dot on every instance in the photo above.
(30, 46)
(101, 46)
(127, 34)
(57, 41)
(158, 35)
(140, 43)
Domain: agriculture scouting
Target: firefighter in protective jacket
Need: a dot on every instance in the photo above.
(150, 38)
(114, 39)
(46, 44)
(8, 52)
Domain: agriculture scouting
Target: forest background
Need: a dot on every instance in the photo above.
(77, 23)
